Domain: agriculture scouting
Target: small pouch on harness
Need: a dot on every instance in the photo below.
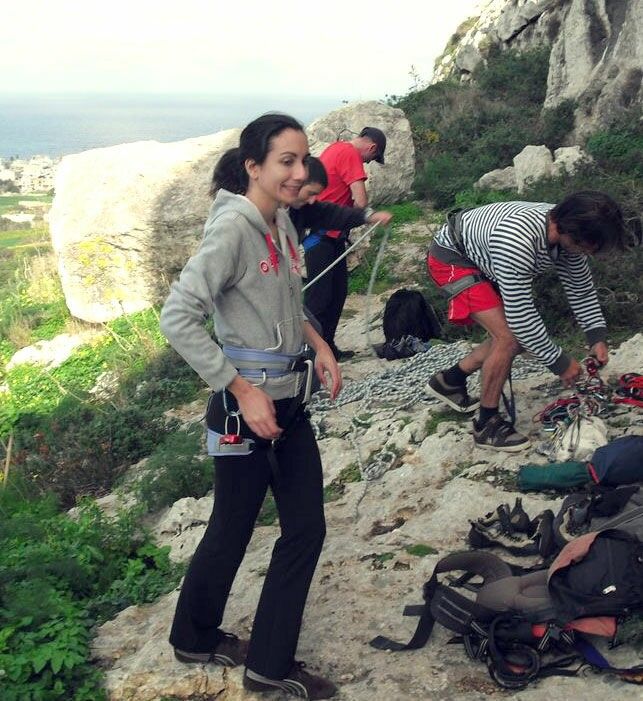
(228, 444)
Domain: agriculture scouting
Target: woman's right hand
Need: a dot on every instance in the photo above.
(256, 407)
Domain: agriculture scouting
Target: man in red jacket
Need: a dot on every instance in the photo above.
(344, 163)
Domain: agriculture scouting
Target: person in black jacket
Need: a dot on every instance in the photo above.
(306, 213)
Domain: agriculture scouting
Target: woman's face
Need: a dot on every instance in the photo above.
(284, 170)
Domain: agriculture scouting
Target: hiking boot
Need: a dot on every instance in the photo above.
(297, 682)
(230, 652)
(499, 434)
(456, 397)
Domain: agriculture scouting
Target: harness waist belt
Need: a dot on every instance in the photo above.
(451, 289)
(254, 363)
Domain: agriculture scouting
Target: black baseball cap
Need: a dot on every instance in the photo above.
(377, 137)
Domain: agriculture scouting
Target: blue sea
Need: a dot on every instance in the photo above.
(56, 125)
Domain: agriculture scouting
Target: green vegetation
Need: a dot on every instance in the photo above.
(432, 423)
(178, 468)
(462, 131)
(10, 203)
(351, 473)
(420, 550)
(359, 278)
(59, 576)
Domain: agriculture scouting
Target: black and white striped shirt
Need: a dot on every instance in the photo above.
(507, 241)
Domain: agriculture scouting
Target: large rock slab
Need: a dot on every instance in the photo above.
(126, 218)
(386, 183)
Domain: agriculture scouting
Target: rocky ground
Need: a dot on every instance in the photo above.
(435, 481)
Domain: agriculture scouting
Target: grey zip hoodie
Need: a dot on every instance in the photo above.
(252, 293)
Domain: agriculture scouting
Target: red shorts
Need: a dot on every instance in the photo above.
(477, 298)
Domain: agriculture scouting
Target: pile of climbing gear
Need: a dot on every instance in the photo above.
(590, 398)
(533, 625)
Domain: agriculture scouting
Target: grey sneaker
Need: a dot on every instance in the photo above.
(297, 682)
(455, 397)
(230, 652)
(499, 434)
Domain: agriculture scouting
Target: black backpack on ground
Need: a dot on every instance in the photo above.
(407, 313)
(534, 625)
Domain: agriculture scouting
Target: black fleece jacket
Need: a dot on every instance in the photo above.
(325, 215)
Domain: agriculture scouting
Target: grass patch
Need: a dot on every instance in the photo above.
(359, 278)
(10, 203)
(59, 577)
(460, 468)
(383, 557)
(420, 550)
(335, 489)
(432, 423)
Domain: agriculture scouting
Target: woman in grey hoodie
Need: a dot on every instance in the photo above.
(247, 276)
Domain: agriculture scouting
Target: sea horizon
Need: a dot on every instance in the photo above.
(59, 124)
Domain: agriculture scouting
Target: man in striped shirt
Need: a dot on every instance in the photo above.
(486, 259)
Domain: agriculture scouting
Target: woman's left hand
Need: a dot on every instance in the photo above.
(325, 364)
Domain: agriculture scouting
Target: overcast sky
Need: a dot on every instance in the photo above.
(333, 48)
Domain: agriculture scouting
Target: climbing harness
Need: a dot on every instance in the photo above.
(254, 364)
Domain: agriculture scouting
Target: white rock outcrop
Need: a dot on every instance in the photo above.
(596, 50)
(532, 164)
(499, 179)
(569, 159)
(49, 354)
(386, 183)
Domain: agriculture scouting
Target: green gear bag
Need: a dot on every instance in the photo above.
(558, 475)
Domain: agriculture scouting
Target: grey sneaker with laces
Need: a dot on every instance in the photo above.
(499, 434)
(456, 397)
(298, 682)
(230, 652)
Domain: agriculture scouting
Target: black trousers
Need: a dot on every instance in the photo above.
(240, 486)
(326, 297)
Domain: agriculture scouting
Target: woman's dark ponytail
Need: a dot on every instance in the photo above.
(230, 174)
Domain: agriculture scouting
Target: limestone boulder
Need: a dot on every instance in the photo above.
(499, 179)
(386, 183)
(50, 353)
(569, 159)
(126, 218)
(531, 164)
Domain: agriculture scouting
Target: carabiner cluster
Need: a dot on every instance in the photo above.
(629, 390)
(590, 399)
